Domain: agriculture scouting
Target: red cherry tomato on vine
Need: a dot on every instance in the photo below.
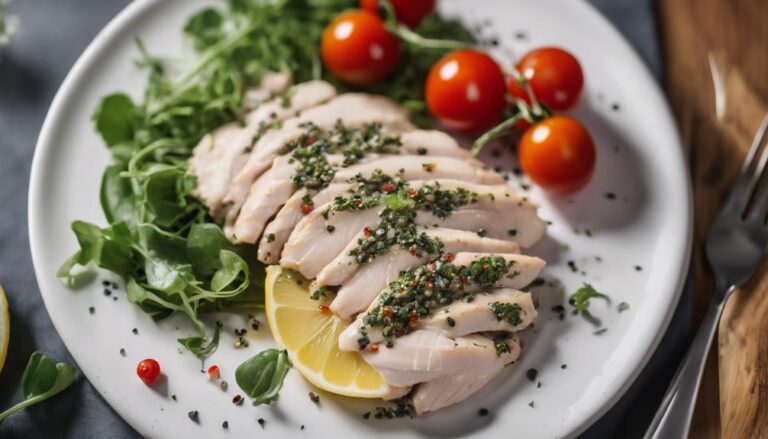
(357, 48)
(148, 370)
(555, 76)
(408, 12)
(465, 90)
(558, 154)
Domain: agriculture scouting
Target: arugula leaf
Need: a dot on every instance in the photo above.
(113, 119)
(42, 379)
(261, 377)
(198, 346)
(580, 301)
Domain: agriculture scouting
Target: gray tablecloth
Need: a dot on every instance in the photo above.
(54, 33)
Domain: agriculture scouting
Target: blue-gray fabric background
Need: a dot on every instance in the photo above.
(54, 33)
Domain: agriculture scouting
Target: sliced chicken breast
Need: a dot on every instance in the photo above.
(502, 215)
(523, 271)
(453, 388)
(465, 317)
(354, 109)
(273, 188)
(220, 155)
(425, 355)
(360, 284)
(478, 316)
(278, 231)
(272, 83)
(280, 228)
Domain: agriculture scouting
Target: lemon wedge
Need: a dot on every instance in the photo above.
(310, 335)
(5, 327)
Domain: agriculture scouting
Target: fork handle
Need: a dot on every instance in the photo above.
(673, 418)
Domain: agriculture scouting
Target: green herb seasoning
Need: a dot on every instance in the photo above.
(506, 311)
(501, 347)
(415, 294)
(309, 151)
(397, 224)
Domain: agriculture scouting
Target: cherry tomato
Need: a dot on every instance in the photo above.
(148, 370)
(555, 77)
(465, 90)
(357, 48)
(408, 12)
(558, 154)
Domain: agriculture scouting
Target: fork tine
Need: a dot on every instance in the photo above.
(746, 182)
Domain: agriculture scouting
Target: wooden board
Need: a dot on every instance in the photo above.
(723, 45)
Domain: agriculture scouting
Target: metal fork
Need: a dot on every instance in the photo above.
(735, 245)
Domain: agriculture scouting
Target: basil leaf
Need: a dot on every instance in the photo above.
(261, 377)
(42, 379)
(113, 119)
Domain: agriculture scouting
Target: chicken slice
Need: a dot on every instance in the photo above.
(426, 355)
(280, 228)
(278, 231)
(315, 241)
(498, 215)
(274, 187)
(354, 109)
(453, 388)
(360, 284)
(422, 168)
(467, 317)
(478, 316)
(220, 155)
(272, 83)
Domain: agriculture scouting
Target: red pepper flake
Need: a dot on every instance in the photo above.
(357, 201)
(367, 231)
(398, 333)
(463, 280)
(311, 140)
(450, 257)
(429, 285)
(374, 347)
(414, 317)
(388, 311)
(388, 187)
(213, 372)
(412, 193)
(412, 251)
(325, 309)
(306, 209)
(415, 283)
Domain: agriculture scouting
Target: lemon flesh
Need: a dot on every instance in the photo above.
(310, 335)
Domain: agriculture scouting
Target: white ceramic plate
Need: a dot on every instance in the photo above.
(646, 225)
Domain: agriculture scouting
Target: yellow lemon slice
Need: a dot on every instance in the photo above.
(5, 327)
(310, 335)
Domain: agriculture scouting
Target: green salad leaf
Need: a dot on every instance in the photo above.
(261, 377)
(42, 379)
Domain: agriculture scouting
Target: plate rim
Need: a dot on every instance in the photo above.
(114, 29)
